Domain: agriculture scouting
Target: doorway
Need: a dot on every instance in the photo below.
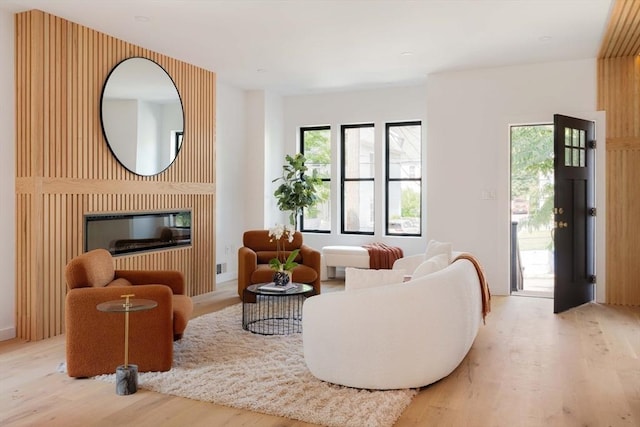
(532, 203)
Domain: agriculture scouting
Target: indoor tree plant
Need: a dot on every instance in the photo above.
(297, 190)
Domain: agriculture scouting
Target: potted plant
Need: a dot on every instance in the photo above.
(283, 268)
(297, 190)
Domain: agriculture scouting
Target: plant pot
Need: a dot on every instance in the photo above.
(281, 278)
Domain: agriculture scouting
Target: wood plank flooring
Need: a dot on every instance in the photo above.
(527, 367)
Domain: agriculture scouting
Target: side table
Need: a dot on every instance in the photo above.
(126, 375)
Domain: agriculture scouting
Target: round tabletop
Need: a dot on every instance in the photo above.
(119, 306)
(271, 289)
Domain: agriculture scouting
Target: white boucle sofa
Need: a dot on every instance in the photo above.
(401, 335)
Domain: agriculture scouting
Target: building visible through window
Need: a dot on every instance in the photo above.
(358, 179)
(404, 178)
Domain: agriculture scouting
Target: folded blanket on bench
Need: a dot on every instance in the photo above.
(382, 256)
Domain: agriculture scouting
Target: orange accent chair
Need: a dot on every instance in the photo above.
(95, 339)
(258, 249)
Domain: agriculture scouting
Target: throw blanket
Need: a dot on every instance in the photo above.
(382, 256)
(484, 285)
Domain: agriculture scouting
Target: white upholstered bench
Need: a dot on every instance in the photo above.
(343, 256)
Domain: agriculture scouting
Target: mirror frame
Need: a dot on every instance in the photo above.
(104, 126)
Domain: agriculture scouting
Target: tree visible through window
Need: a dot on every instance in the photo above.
(404, 178)
(315, 145)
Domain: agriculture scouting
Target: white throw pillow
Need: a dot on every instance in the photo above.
(431, 265)
(436, 248)
(358, 278)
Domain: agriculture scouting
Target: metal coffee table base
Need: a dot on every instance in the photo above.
(274, 314)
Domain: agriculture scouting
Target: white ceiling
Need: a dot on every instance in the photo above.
(303, 46)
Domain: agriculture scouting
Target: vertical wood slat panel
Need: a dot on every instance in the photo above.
(622, 36)
(619, 96)
(60, 69)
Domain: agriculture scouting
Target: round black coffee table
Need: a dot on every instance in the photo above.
(274, 312)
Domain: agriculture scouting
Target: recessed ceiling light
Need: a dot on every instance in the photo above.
(544, 38)
(407, 53)
(141, 18)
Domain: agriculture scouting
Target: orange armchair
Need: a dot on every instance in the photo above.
(95, 339)
(254, 256)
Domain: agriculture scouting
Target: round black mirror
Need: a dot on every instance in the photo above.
(142, 116)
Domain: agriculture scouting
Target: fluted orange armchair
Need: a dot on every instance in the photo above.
(257, 250)
(95, 339)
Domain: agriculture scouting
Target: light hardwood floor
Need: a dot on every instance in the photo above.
(527, 367)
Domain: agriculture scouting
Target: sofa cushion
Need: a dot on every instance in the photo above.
(119, 282)
(436, 248)
(265, 256)
(358, 278)
(301, 274)
(431, 265)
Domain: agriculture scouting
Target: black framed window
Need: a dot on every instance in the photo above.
(358, 179)
(315, 145)
(404, 178)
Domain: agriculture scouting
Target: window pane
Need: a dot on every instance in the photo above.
(359, 152)
(404, 178)
(358, 206)
(317, 150)
(404, 207)
(316, 147)
(405, 150)
(318, 218)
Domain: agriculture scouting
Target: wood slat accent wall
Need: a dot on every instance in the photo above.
(64, 168)
(619, 96)
(622, 36)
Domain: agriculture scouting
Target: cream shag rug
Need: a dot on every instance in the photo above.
(217, 361)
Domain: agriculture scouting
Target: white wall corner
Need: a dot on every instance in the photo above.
(7, 177)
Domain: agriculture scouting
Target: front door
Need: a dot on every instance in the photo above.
(574, 211)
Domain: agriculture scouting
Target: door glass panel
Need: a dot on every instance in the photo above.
(575, 142)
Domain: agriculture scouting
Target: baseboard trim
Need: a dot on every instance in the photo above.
(7, 334)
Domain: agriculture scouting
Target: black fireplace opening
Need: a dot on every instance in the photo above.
(123, 233)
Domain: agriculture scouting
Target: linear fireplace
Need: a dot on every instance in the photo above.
(122, 233)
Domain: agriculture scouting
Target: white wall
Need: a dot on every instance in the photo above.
(274, 156)
(254, 161)
(7, 178)
(233, 177)
(123, 135)
(468, 148)
(335, 109)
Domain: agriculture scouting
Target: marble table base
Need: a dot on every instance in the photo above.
(126, 379)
